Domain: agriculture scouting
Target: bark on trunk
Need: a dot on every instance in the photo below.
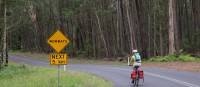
(130, 24)
(161, 41)
(33, 16)
(4, 51)
(172, 26)
(101, 35)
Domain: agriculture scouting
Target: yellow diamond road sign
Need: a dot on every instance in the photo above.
(58, 41)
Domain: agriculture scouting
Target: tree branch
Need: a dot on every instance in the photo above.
(18, 22)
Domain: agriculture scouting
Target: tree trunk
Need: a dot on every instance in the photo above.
(119, 50)
(172, 26)
(61, 17)
(33, 15)
(102, 35)
(130, 24)
(1, 13)
(4, 51)
(149, 35)
(161, 41)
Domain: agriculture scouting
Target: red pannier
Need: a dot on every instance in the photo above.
(141, 73)
(133, 74)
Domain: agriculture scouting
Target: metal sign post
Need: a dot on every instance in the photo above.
(58, 41)
(58, 75)
(64, 67)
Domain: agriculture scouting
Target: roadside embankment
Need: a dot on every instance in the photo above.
(27, 76)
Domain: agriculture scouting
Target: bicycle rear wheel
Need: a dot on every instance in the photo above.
(136, 81)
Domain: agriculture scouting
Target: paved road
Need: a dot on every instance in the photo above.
(120, 76)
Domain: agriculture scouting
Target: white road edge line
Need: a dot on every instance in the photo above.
(166, 78)
(172, 79)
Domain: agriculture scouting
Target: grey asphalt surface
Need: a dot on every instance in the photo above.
(120, 75)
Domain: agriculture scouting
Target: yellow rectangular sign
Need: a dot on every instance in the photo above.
(58, 59)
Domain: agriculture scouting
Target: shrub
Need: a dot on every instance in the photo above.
(174, 58)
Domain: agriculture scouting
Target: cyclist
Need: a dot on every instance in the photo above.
(135, 61)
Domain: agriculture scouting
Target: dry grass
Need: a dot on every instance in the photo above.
(76, 60)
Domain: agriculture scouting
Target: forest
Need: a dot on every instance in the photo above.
(101, 28)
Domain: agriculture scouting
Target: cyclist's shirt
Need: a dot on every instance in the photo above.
(137, 61)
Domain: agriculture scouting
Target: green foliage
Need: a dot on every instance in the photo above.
(187, 58)
(11, 71)
(174, 58)
(25, 76)
(149, 21)
(68, 12)
(105, 12)
(81, 53)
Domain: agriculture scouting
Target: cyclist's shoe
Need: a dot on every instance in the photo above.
(132, 81)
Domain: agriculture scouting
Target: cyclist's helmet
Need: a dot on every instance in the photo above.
(135, 51)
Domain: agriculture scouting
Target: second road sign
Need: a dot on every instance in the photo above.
(58, 59)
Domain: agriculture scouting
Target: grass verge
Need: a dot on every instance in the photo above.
(174, 58)
(183, 62)
(27, 76)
